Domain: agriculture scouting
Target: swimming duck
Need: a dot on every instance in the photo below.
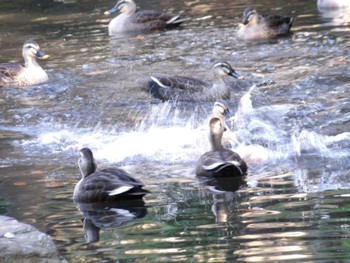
(219, 161)
(28, 74)
(221, 111)
(110, 184)
(133, 20)
(180, 88)
(255, 26)
(333, 4)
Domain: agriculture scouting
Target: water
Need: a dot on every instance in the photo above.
(294, 204)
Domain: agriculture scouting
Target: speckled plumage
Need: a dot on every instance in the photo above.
(28, 74)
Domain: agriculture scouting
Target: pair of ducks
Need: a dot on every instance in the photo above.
(161, 86)
(114, 184)
(132, 20)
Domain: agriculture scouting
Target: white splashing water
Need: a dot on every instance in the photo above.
(184, 140)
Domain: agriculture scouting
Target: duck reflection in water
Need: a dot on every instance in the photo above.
(181, 88)
(223, 191)
(109, 215)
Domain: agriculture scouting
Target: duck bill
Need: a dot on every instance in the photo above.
(234, 74)
(112, 10)
(245, 21)
(227, 113)
(41, 55)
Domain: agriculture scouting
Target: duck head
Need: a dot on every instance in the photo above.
(86, 162)
(31, 51)
(250, 16)
(224, 69)
(123, 6)
(220, 108)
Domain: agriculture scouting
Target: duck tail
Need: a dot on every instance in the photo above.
(176, 20)
(157, 89)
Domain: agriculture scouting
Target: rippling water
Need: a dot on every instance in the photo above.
(294, 134)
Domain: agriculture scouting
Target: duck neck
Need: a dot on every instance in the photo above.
(87, 167)
(31, 62)
(220, 89)
(130, 9)
(215, 141)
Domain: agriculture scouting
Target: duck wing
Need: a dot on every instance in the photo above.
(281, 24)
(179, 82)
(8, 72)
(180, 88)
(109, 185)
(123, 176)
(221, 163)
(153, 20)
(235, 159)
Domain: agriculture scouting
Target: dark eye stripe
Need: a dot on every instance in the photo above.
(31, 46)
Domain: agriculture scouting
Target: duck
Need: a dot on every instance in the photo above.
(106, 185)
(28, 74)
(334, 12)
(181, 88)
(132, 20)
(221, 111)
(219, 161)
(255, 26)
(333, 4)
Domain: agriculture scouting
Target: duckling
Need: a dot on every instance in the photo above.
(220, 161)
(255, 26)
(110, 184)
(28, 74)
(180, 88)
(133, 20)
